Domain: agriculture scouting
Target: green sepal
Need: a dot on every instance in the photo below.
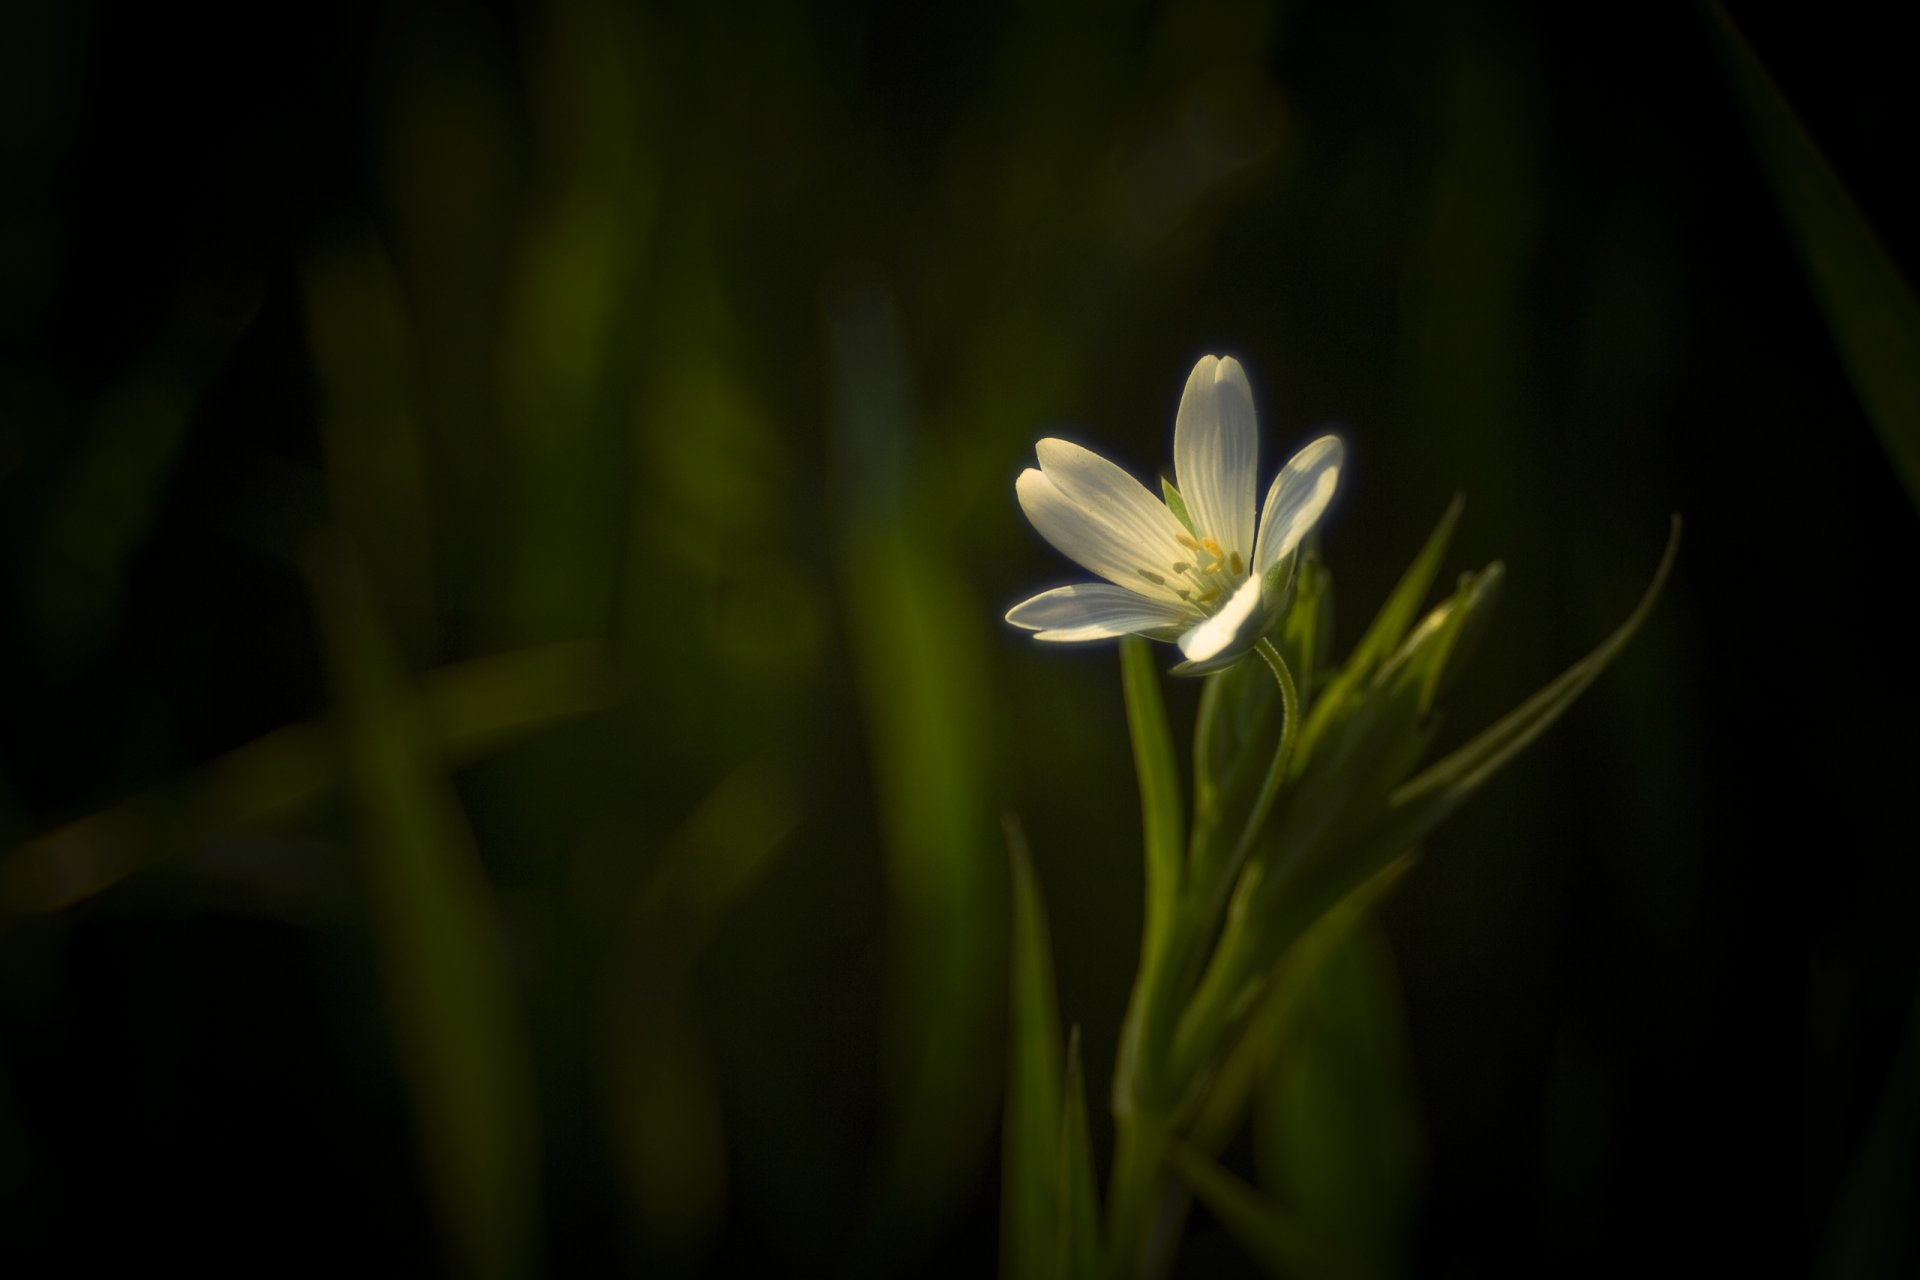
(1176, 504)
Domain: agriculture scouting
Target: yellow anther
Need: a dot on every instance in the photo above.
(1239, 565)
(1186, 541)
(1213, 547)
(1208, 595)
(1215, 567)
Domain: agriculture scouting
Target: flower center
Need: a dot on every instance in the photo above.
(1212, 572)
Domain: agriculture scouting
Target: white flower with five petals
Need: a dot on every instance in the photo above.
(1206, 586)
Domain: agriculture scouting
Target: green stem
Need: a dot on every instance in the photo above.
(1144, 1123)
(1282, 757)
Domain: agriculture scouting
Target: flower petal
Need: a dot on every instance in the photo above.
(1095, 611)
(1216, 453)
(1092, 538)
(1230, 632)
(1110, 496)
(1297, 500)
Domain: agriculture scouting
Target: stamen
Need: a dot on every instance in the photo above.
(1205, 597)
(1181, 566)
(1186, 541)
(1153, 577)
(1213, 547)
(1183, 594)
(1239, 565)
(1215, 567)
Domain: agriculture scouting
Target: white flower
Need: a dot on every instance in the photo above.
(1200, 587)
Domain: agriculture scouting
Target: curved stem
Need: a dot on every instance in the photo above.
(1282, 756)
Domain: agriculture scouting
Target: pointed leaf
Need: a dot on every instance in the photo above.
(1029, 1206)
(1079, 1203)
(1439, 789)
(1870, 309)
(1388, 628)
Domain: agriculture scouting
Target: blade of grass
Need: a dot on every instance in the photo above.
(1079, 1202)
(1032, 1147)
(468, 708)
(1870, 309)
(463, 1052)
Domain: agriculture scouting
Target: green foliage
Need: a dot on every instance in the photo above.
(1263, 982)
(456, 1017)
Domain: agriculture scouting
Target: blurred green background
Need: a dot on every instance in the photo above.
(505, 515)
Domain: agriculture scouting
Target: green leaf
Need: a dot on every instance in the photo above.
(463, 1051)
(1337, 1131)
(1386, 632)
(1870, 309)
(1417, 807)
(1426, 799)
(1031, 1159)
(1161, 820)
(1079, 1203)
(1222, 1105)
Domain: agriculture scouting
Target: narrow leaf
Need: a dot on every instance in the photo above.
(1161, 820)
(1442, 786)
(1031, 1160)
(1079, 1230)
(1870, 309)
(463, 1051)
(1387, 630)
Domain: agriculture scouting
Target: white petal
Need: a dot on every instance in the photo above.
(1093, 539)
(1108, 494)
(1216, 453)
(1236, 627)
(1297, 500)
(1094, 611)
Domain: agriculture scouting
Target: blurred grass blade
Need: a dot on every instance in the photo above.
(463, 1052)
(1870, 309)
(920, 652)
(1162, 823)
(1030, 1211)
(1272, 1236)
(1870, 1231)
(468, 708)
(1079, 1202)
(1441, 787)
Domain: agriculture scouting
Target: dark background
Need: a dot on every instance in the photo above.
(716, 335)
